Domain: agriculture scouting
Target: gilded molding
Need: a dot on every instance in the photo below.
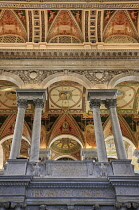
(94, 4)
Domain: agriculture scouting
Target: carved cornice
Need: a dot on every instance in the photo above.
(15, 181)
(69, 54)
(55, 4)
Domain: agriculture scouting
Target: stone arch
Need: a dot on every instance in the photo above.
(130, 149)
(1, 150)
(65, 156)
(66, 77)
(122, 78)
(65, 136)
(12, 78)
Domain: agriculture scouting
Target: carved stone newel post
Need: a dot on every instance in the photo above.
(101, 148)
(118, 139)
(17, 137)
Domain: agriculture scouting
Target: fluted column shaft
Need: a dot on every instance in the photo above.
(101, 148)
(35, 145)
(118, 139)
(17, 137)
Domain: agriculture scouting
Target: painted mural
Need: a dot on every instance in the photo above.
(134, 16)
(51, 15)
(107, 16)
(65, 96)
(64, 24)
(120, 24)
(10, 25)
(22, 15)
(90, 136)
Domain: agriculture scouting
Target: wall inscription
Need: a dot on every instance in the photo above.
(85, 193)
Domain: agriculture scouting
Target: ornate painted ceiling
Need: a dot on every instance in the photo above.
(66, 112)
(69, 26)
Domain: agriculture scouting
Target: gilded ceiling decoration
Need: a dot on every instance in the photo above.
(68, 26)
(66, 96)
(66, 146)
(66, 124)
(12, 26)
(120, 24)
(8, 95)
(64, 23)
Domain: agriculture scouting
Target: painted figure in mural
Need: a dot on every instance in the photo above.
(108, 15)
(51, 17)
(65, 95)
(77, 16)
(133, 15)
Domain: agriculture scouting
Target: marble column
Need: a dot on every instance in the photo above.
(35, 144)
(118, 139)
(17, 137)
(101, 148)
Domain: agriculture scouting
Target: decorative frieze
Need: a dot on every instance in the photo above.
(71, 53)
(56, 5)
(96, 76)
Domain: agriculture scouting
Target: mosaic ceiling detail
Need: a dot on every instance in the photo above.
(69, 26)
(66, 146)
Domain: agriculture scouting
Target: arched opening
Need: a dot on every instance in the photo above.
(65, 146)
(129, 146)
(5, 146)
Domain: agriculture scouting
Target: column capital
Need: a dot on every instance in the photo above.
(135, 205)
(119, 205)
(22, 103)
(16, 204)
(39, 103)
(95, 103)
(110, 103)
(5, 204)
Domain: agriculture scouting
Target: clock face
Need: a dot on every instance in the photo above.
(65, 96)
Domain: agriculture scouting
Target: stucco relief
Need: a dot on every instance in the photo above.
(95, 76)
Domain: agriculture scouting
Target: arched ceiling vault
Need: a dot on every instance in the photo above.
(68, 26)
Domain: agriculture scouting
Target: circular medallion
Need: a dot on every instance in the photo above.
(65, 96)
